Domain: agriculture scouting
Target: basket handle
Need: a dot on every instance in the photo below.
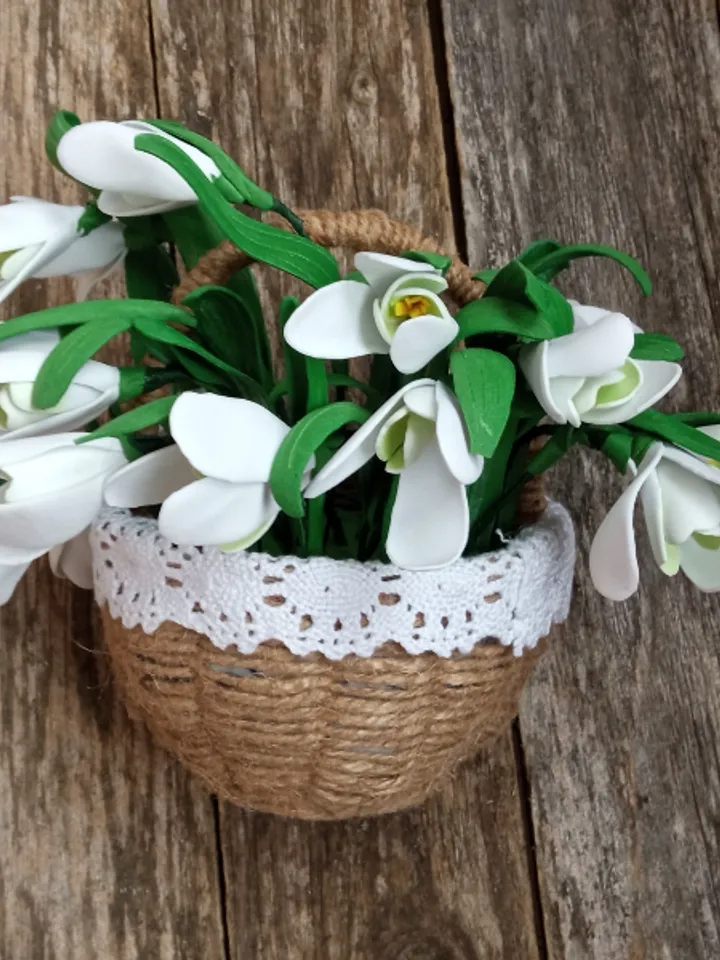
(351, 229)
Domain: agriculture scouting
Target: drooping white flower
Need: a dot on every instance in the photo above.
(40, 239)
(94, 388)
(102, 155)
(421, 435)
(680, 494)
(588, 375)
(51, 493)
(398, 311)
(213, 482)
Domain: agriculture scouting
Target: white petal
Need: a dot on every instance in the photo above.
(336, 323)
(58, 469)
(430, 521)
(212, 512)
(149, 479)
(381, 270)
(697, 465)
(564, 391)
(420, 339)
(360, 447)
(453, 438)
(422, 400)
(86, 281)
(14, 449)
(10, 576)
(73, 561)
(42, 256)
(533, 363)
(103, 155)
(227, 438)
(13, 556)
(659, 377)
(651, 497)
(701, 566)
(593, 351)
(613, 559)
(690, 503)
(28, 222)
(66, 419)
(585, 316)
(98, 249)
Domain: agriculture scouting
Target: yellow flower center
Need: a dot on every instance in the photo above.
(413, 305)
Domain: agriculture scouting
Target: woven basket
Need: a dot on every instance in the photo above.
(254, 699)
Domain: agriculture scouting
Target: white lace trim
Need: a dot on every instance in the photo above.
(337, 607)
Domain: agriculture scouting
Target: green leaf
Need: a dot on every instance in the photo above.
(91, 218)
(493, 315)
(150, 274)
(294, 364)
(484, 384)
(61, 122)
(618, 447)
(141, 418)
(438, 260)
(669, 428)
(105, 311)
(553, 262)
(517, 283)
(192, 233)
(656, 346)
(156, 330)
(535, 252)
(486, 275)
(248, 190)
(561, 440)
(132, 382)
(71, 353)
(703, 418)
(294, 254)
(228, 330)
(305, 438)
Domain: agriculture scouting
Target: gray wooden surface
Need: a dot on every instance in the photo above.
(592, 830)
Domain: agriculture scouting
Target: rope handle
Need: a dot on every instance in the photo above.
(354, 230)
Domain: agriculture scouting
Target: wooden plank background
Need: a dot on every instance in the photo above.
(591, 831)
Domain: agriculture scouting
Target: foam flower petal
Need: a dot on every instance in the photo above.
(382, 270)
(150, 479)
(613, 557)
(701, 565)
(453, 438)
(73, 561)
(336, 323)
(690, 503)
(430, 521)
(659, 377)
(360, 447)
(593, 351)
(28, 221)
(11, 278)
(102, 155)
(226, 438)
(10, 576)
(212, 512)
(417, 341)
(99, 249)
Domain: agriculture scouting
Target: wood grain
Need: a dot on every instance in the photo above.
(600, 122)
(107, 849)
(335, 104)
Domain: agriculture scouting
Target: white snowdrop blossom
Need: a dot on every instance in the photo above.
(93, 389)
(213, 481)
(421, 435)
(40, 239)
(680, 495)
(588, 375)
(398, 311)
(102, 155)
(52, 490)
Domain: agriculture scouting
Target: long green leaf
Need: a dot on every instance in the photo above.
(71, 353)
(150, 274)
(667, 427)
(656, 346)
(493, 315)
(517, 282)
(61, 122)
(294, 254)
(555, 261)
(141, 418)
(484, 384)
(305, 438)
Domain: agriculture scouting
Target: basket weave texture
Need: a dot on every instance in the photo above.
(307, 736)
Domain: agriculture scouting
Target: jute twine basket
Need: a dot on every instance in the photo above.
(308, 735)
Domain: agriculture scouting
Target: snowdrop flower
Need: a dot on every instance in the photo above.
(213, 483)
(398, 311)
(680, 494)
(94, 388)
(102, 155)
(52, 491)
(588, 376)
(40, 239)
(420, 434)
